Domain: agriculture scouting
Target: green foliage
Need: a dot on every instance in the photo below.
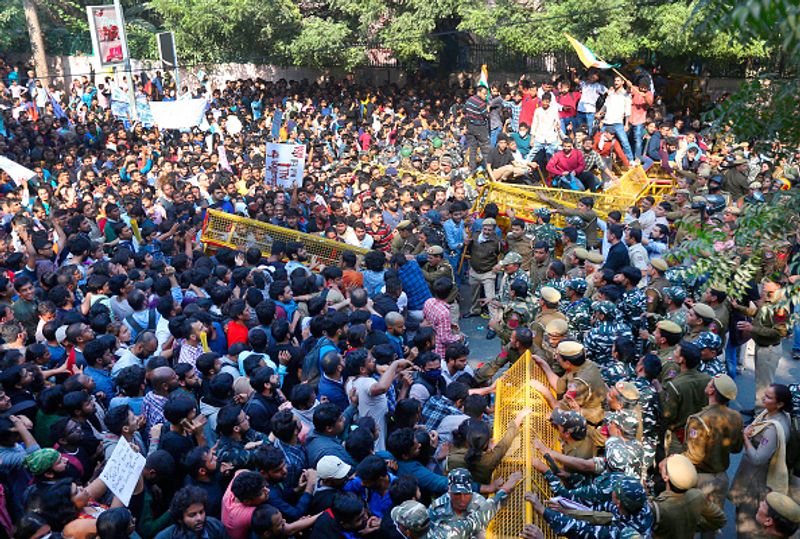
(614, 29)
(13, 34)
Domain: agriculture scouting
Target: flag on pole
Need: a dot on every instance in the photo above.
(484, 79)
(57, 110)
(586, 56)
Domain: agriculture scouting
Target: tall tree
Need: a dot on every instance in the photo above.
(37, 39)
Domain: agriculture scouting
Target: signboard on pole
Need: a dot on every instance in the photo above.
(108, 35)
(167, 50)
(285, 164)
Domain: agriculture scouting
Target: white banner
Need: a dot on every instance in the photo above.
(183, 114)
(122, 471)
(285, 164)
(17, 172)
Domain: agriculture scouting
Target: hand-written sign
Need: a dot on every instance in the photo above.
(122, 471)
(285, 164)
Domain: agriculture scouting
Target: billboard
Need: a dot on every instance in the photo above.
(108, 35)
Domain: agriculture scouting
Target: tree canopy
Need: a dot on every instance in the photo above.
(323, 33)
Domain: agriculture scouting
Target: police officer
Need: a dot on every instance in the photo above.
(712, 435)
(549, 299)
(554, 332)
(698, 318)
(667, 336)
(405, 241)
(682, 510)
(569, 239)
(517, 312)
(683, 396)
(511, 265)
(572, 431)
(520, 342)
(520, 242)
(543, 231)
(578, 262)
(582, 382)
(778, 515)
(674, 308)
(449, 512)
(711, 360)
(578, 309)
(633, 303)
(539, 265)
(656, 283)
(437, 267)
(630, 514)
(411, 519)
(606, 329)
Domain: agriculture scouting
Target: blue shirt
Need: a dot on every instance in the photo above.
(379, 505)
(102, 381)
(414, 285)
(454, 234)
(334, 391)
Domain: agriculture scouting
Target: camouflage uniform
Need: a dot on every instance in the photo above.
(632, 305)
(622, 458)
(506, 282)
(579, 316)
(544, 232)
(445, 524)
(558, 284)
(600, 339)
(715, 366)
(577, 222)
(651, 411)
(525, 310)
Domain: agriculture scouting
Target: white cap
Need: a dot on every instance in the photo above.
(332, 467)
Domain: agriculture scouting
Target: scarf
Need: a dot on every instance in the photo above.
(778, 473)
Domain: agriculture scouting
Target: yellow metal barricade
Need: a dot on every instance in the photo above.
(514, 392)
(632, 186)
(221, 229)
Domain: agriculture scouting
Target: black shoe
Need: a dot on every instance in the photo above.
(491, 334)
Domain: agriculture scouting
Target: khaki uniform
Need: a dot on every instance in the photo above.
(523, 247)
(655, 295)
(442, 269)
(590, 227)
(545, 316)
(711, 436)
(580, 449)
(587, 387)
(768, 332)
(566, 256)
(538, 273)
(410, 246)
(682, 397)
(680, 516)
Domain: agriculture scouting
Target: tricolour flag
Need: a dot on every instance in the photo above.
(484, 79)
(586, 56)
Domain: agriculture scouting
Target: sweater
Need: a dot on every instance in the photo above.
(561, 163)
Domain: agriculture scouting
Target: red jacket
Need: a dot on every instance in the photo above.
(608, 147)
(529, 104)
(562, 163)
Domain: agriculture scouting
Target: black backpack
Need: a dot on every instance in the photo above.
(151, 322)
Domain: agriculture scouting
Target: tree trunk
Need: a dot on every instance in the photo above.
(37, 40)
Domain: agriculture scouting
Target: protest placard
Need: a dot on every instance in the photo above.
(285, 164)
(122, 471)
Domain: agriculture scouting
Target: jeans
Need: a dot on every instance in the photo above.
(587, 118)
(549, 149)
(568, 181)
(493, 136)
(638, 140)
(732, 358)
(574, 121)
(622, 136)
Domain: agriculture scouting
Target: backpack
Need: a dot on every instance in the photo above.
(137, 328)
(310, 373)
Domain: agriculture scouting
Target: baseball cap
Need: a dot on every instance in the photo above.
(332, 467)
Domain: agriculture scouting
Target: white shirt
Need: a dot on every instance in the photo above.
(545, 125)
(618, 107)
(590, 91)
(127, 359)
(374, 406)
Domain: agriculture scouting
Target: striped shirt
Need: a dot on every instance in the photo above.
(476, 111)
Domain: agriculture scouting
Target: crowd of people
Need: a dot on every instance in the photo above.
(275, 396)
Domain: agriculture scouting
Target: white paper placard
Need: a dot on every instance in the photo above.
(122, 471)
